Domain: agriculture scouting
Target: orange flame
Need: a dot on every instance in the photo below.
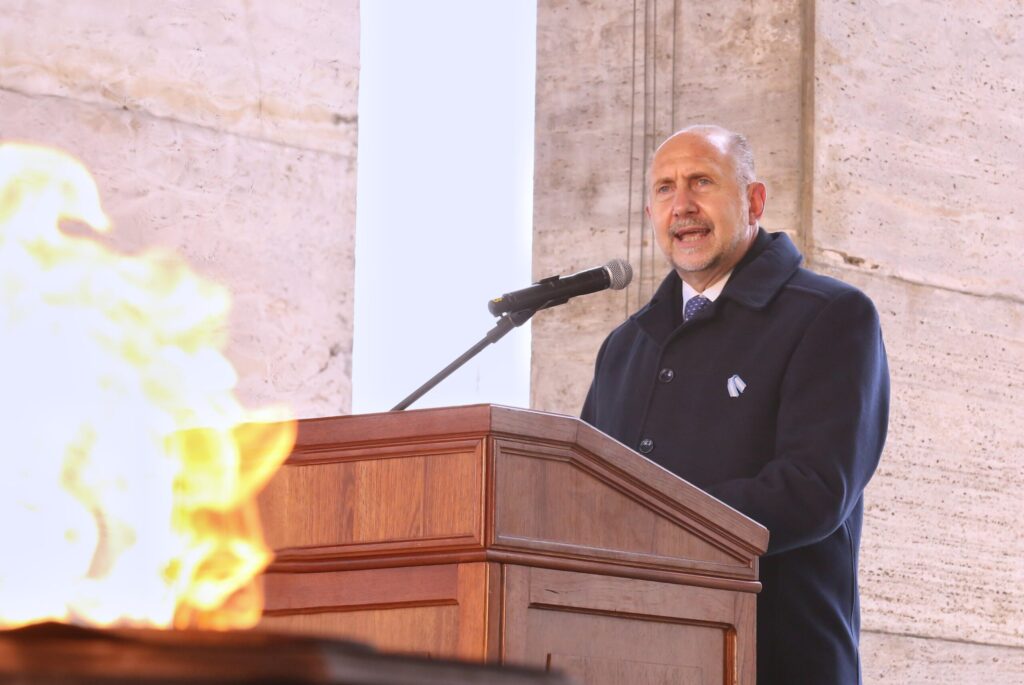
(129, 468)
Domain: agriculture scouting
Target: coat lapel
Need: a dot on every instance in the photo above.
(658, 318)
(768, 265)
(760, 275)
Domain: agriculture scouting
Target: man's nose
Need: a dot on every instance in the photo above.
(682, 202)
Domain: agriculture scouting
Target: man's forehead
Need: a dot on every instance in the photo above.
(709, 137)
(692, 149)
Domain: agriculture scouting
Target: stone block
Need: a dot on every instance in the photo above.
(275, 224)
(888, 659)
(919, 141)
(942, 544)
(282, 72)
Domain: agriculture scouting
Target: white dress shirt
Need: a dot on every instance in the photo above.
(711, 292)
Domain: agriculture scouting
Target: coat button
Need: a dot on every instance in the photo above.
(646, 445)
(666, 375)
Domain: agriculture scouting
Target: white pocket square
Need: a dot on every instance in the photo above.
(735, 385)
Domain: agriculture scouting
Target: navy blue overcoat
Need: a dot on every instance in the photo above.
(775, 400)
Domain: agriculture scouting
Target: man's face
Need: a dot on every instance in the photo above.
(703, 220)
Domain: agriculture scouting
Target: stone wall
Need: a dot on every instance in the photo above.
(918, 146)
(226, 132)
(889, 135)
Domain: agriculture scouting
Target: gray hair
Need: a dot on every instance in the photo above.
(744, 157)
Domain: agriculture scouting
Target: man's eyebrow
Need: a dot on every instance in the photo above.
(702, 173)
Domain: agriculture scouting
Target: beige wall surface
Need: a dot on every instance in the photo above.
(918, 148)
(226, 132)
(890, 137)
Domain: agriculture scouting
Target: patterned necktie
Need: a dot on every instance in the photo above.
(695, 305)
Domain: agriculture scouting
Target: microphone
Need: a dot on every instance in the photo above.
(556, 290)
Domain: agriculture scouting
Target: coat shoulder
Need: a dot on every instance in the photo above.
(821, 287)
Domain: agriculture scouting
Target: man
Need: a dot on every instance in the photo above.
(762, 383)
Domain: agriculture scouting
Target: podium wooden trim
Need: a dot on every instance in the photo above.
(500, 534)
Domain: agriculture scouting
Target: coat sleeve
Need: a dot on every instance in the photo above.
(832, 420)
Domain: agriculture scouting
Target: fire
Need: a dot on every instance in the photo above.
(129, 469)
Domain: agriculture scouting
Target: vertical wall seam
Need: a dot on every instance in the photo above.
(652, 65)
(632, 157)
(650, 142)
(648, 97)
(675, 51)
(807, 127)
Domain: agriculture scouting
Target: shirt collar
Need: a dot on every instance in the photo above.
(711, 292)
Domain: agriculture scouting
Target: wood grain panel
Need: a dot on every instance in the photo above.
(515, 423)
(439, 610)
(346, 590)
(474, 598)
(391, 428)
(577, 509)
(560, 500)
(611, 595)
(609, 647)
(425, 631)
(358, 505)
(614, 630)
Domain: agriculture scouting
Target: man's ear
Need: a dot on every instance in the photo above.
(647, 211)
(757, 194)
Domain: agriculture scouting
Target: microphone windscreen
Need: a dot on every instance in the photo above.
(620, 273)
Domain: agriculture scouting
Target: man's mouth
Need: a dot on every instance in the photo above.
(690, 234)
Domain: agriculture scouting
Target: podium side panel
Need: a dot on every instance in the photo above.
(566, 503)
(437, 610)
(606, 630)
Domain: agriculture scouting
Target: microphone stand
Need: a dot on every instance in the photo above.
(505, 324)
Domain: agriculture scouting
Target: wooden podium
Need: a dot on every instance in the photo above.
(497, 534)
